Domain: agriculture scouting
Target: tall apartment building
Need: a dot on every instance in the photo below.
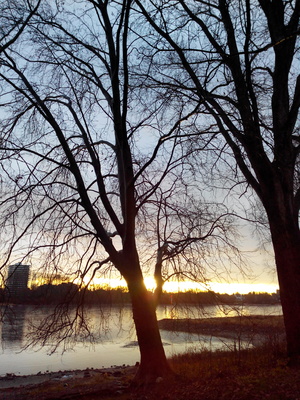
(17, 278)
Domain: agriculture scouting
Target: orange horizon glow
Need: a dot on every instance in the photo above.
(172, 286)
(184, 286)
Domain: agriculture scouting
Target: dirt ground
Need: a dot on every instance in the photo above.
(67, 384)
(276, 383)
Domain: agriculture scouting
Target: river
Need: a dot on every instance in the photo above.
(114, 338)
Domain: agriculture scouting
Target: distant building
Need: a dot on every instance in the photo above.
(17, 278)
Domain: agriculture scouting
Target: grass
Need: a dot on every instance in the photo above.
(258, 373)
(253, 374)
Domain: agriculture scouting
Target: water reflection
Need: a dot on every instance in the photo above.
(13, 320)
(216, 311)
(114, 336)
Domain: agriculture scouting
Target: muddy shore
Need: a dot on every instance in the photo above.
(67, 384)
(11, 380)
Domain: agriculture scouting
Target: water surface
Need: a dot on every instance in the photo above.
(114, 340)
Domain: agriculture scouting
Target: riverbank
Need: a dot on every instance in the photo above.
(253, 373)
(68, 384)
(19, 381)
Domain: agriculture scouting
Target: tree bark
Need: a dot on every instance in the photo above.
(286, 244)
(153, 362)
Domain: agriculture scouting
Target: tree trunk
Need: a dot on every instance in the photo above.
(153, 363)
(286, 243)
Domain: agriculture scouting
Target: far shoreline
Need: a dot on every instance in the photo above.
(255, 329)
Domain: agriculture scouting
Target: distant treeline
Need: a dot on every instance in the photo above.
(69, 292)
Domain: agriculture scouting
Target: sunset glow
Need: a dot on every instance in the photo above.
(173, 286)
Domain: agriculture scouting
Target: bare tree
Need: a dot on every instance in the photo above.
(89, 172)
(238, 62)
(15, 16)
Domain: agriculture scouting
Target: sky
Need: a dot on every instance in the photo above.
(261, 277)
(230, 287)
